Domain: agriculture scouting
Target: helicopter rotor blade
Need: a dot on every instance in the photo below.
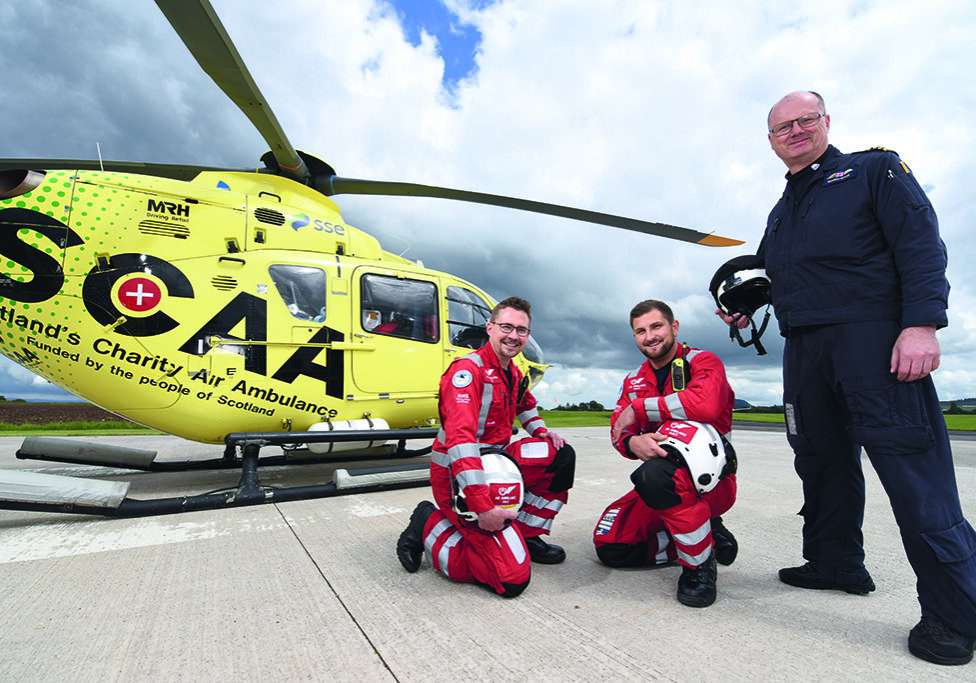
(333, 185)
(198, 26)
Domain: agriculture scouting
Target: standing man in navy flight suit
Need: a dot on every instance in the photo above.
(857, 267)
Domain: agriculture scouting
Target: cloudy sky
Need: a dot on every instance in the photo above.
(643, 108)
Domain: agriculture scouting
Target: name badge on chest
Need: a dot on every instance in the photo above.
(840, 176)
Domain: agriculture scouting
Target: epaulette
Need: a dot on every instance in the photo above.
(904, 166)
(877, 149)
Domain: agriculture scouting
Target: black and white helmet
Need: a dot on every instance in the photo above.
(707, 454)
(740, 285)
(503, 478)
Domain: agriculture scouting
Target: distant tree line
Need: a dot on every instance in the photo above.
(3, 399)
(589, 406)
(766, 410)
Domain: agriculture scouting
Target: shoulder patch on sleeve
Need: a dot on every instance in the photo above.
(461, 378)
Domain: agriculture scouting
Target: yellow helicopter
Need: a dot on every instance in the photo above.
(234, 307)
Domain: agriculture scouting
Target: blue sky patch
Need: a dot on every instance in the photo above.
(457, 43)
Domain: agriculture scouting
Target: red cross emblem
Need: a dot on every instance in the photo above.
(139, 294)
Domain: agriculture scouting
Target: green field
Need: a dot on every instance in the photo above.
(75, 429)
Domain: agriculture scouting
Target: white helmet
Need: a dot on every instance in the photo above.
(504, 480)
(707, 454)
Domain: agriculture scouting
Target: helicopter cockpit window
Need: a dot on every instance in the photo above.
(303, 290)
(467, 315)
(400, 308)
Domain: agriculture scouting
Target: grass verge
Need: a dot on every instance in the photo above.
(555, 419)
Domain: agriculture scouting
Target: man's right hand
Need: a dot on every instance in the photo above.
(736, 319)
(494, 519)
(645, 447)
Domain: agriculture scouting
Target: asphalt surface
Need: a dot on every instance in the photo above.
(312, 590)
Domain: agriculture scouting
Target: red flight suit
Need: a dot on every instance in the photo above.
(632, 533)
(478, 404)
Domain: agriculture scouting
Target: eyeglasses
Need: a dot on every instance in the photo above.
(508, 329)
(805, 121)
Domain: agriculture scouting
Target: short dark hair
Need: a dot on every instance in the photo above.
(518, 303)
(649, 305)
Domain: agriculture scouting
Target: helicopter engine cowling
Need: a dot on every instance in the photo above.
(371, 424)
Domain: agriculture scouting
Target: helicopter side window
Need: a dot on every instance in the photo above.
(400, 308)
(303, 290)
(467, 315)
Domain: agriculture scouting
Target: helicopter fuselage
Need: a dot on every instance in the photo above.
(236, 302)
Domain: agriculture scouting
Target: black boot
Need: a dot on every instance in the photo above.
(410, 545)
(544, 553)
(726, 547)
(936, 642)
(805, 576)
(696, 587)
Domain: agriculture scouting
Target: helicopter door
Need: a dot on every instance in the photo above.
(399, 326)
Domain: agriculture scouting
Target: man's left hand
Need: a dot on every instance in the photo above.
(916, 353)
(556, 440)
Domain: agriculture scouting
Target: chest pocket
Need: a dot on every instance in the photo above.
(500, 391)
(834, 221)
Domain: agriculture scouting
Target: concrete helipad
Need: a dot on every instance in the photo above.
(312, 590)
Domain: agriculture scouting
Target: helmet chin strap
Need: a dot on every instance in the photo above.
(756, 334)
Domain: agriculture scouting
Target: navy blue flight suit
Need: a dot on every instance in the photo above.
(854, 256)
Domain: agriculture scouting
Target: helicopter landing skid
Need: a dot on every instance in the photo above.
(74, 495)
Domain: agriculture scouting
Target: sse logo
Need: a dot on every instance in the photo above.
(320, 225)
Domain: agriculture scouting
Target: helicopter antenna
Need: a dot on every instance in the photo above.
(198, 26)
(407, 242)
